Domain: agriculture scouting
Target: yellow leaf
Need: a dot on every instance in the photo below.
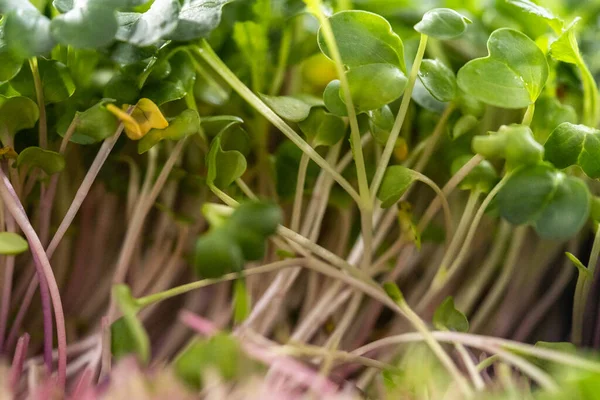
(7, 152)
(145, 116)
(407, 226)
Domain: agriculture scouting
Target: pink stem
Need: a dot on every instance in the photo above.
(44, 270)
(286, 365)
(7, 288)
(18, 360)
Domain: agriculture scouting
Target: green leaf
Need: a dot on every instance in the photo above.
(549, 113)
(89, 24)
(447, 317)
(381, 122)
(333, 101)
(393, 291)
(464, 125)
(442, 23)
(582, 269)
(424, 99)
(221, 353)
(565, 48)
(147, 28)
(129, 336)
(567, 211)
(483, 177)
(197, 19)
(262, 218)
(50, 162)
(555, 204)
(63, 5)
(511, 76)
(563, 347)
(185, 124)
(56, 79)
(164, 92)
(538, 11)
(10, 64)
(322, 128)
(515, 143)
(12, 244)
(216, 253)
(224, 167)
(396, 180)
(571, 144)
(438, 79)
(93, 125)
(26, 30)
(289, 108)
(372, 86)
(364, 38)
(253, 42)
(123, 89)
(214, 125)
(17, 113)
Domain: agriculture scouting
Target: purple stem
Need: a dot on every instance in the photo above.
(18, 360)
(43, 268)
(7, 288)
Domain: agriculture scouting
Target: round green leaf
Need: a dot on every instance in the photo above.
(57, 83)
(89, 24)
(197, 19)
(48, 161)
(549, 113)
(322, 128)
(364, 38)
(447, 317)
(147, 28)
(12, 244)
(27, 32)
(423, 98)
(10, 64)
(373, 86)
(217, 253)
(333, 101)
(381, 122)
(463, 125)
(396, 180)
(483, 177)
(93, 125)
(185, 124)
(442, 23)
(287, 107)
(17, 113)
(567, 211)
(511, 76)
(571, 144)
(260, 217)
(224, 167)
(438, 79)
(524, 196)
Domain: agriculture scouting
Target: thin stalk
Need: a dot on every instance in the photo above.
(582, 290)
(528, 117)
(179, 290)
(440, 194)
(389, 146)
(39, 92)
(470, 366)
(7, 287)
(434, 138)
(365, 204)
(208, 55)
(44, 270)
(299, 195)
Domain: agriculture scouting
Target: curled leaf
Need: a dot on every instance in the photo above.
(48, 161)
(145, 116)
(185, 124)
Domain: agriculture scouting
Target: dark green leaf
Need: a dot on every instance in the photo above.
(17, 113)
(365, 38)
(197, 19)
(260, 217)
(372, 86)
(10, 64)
(447, 317)
(26, 30)
(442, 23)
(49, 161)
(381, 122)
(147, 28)
(511, 76)
(571, 144)
(438, 79)
(185, 124)
(123, 89)
(129, 335)
(253, 42)
(56, 80)
(93, 125)
(224, 167)
(463, 125)
(483, 177)
(396, 180)
(216, 253)
(322, 128)
(12, 244)
(333, 101)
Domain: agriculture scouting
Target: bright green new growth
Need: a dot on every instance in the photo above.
(571, 144)
(511, 76)
(515, 143)
(447, 317)
(12, 244)
(442, 23)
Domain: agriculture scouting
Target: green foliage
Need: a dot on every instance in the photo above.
(571, 144)
(482, 178)
(92, 125)
(289, 108)
(511, 76)
(333, 100)
(145, 29)
(56, 80)
(396, 181)
(185, 124)
(48, 161)
(438, 79)
(442, 23)
(17, 113)
(555, 204)
(515, 143)
(447, 317)
(322, 128)
(127, 333)
(12, 244)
